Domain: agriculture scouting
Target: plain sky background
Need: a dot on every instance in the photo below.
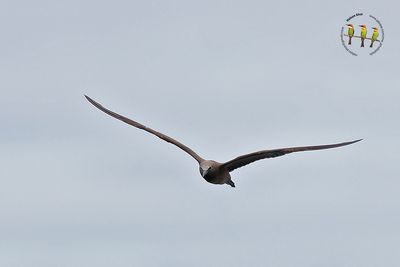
(79, 188)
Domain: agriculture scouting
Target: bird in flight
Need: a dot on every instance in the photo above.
(212, 171)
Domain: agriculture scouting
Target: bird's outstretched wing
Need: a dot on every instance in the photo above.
(147, 129)
(249, 158)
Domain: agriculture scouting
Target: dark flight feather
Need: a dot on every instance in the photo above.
(263, 154)
(147, 129)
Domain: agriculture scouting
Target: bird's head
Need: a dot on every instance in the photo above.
(375, 29)
(207, 168)
(363, 26)
(350, 26)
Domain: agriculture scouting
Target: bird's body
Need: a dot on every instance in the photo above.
(374, 37)
(350, 32)
(212, 171)
(363, 34)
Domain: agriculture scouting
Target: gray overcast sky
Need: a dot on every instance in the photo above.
(224, 77)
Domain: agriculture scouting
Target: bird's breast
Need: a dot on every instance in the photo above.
(217, 176)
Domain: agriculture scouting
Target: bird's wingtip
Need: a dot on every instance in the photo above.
(90, 100)
(355, 141)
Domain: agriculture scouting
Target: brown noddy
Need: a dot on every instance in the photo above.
(212, 171)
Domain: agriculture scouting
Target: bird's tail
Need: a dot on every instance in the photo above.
(349, 40)
(372, 42)
(362, 42)
(231, 183)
